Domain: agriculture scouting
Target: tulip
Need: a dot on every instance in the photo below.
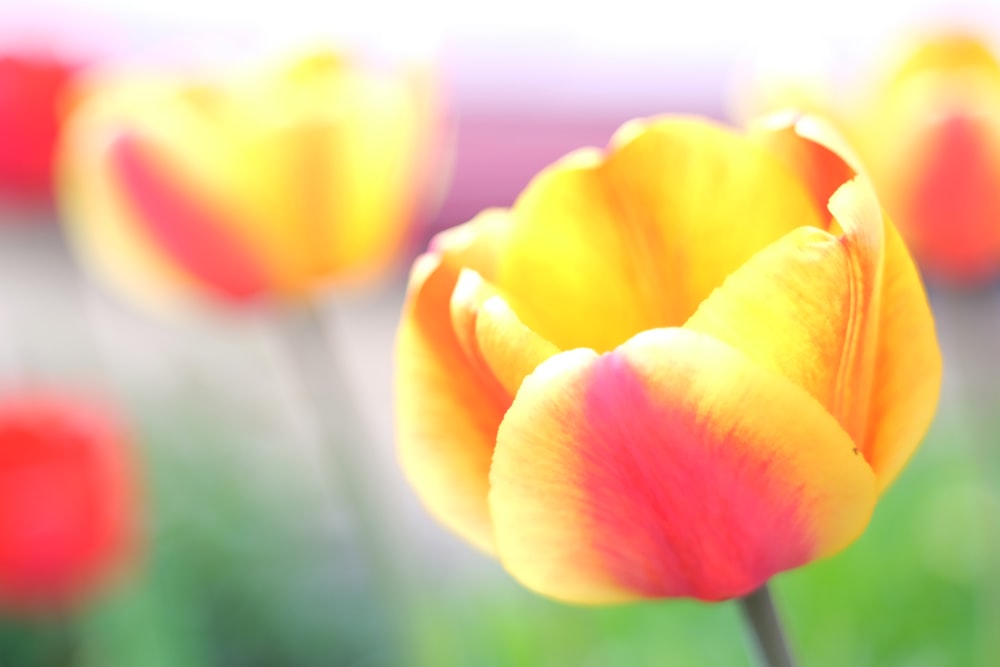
(671, 369)
(268, 187)
(32, 95)
(67, 517)
(931, 137)
(928, 133)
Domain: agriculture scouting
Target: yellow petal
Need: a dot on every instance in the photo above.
(358, 141)
(492, 334)
(195, 132)
(950, 51)
(805, 308)
(789, 309)
(907, 375)
(603, 247)
(461, 354)
(446, 415)
(811, 147)
(327, 156)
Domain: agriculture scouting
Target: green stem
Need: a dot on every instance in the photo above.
(325, 387)
(769, 638)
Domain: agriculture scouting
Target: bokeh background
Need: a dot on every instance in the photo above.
(251, 553)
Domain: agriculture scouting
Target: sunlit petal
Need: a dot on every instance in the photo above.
(603, 247)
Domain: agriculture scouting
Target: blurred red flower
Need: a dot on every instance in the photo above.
(32, 89)
(67, 511)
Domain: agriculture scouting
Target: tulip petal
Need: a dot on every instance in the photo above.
(446, 418)
(273, 176)
(104, 230)
(812, 148)
(673, 466)
(803, 307)
(638, 238)
(907, 376)
(789, 309)
(931, 138)
(907, 363)
(355, 163)
(236, 157)
(450, 400)
(380, 156)
(210, 144)
(480, 241)
(196, 236)
(950, 204)
(492, 335)
(954, 51)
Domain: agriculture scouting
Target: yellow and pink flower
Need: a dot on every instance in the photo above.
(672, 368)
(927, 129)
(931, 137)
(235, 190)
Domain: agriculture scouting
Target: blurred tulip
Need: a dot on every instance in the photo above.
(270, 187)
(929, 135)
(669, 369)
(932, 139)
(67, 515)
(32, 93)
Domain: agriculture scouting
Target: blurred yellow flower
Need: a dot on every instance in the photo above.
(931, 138)
(271, 186)
(928, 132)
